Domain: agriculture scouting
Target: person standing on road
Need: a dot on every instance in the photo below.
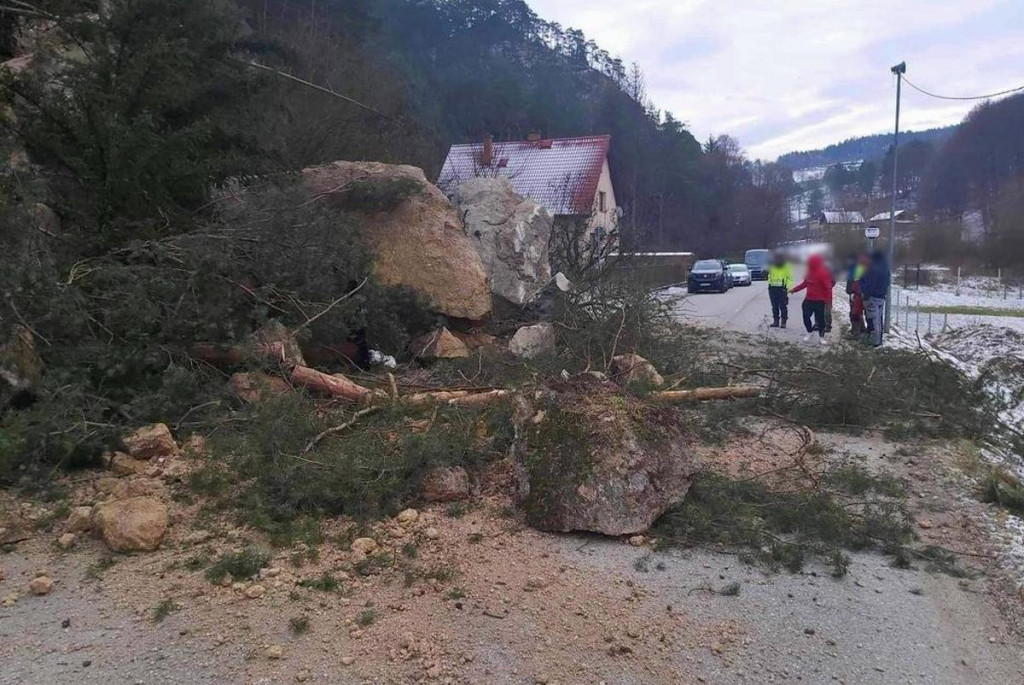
(855, 268)
(874, 285)
(818, 283)
(780, 280)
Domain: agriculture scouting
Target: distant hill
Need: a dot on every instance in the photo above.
(865, 147)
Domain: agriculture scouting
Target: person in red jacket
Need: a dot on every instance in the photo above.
(818, 283)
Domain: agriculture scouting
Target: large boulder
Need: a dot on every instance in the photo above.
(587, 458)
(533, 341)
(511, 233)
(419, 242)
(136, 524)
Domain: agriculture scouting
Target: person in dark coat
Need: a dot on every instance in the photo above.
(874, 285)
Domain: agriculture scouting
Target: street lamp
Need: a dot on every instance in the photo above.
(898, 70)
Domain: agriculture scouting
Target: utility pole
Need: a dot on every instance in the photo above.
(899, 70)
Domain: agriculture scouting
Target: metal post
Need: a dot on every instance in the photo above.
(899, 70)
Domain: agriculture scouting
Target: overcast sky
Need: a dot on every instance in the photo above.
(783, 75)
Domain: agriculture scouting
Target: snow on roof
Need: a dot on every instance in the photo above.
(841, 217)
(884, 216)
(560, 173)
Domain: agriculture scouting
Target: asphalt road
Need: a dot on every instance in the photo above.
(745, 309)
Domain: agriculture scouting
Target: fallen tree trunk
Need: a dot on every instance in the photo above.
(335, 386)
(704, 394)
(435, 397)
(478, 399)
(217, 355)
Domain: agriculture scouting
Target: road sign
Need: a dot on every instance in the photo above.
(872, 232)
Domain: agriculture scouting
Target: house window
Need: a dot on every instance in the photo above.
(601, 202)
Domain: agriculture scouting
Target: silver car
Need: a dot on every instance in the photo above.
(740, 274)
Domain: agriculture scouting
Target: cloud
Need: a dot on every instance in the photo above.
(789, 74)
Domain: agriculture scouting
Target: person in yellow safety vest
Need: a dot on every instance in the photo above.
(780, 280)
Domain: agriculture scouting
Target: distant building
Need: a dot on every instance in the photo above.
(841, 218)
(569, 176)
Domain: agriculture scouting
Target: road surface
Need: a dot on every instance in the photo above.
(744, 309)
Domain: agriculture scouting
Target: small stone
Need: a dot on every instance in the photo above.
(431, 533)
(637, 540)
(633, 632)
(150, 442)
(347, 660)
(275, 652)
(407, 516)
(66, 541)
(808, 631)
(303, 676)
(79, 520)
(255, 591)
(364, 546)
(40, 585)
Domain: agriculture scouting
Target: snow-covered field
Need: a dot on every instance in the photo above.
(978, 292)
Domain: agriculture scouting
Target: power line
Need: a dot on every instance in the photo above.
(953, 97)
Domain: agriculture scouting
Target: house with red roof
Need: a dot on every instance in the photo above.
(569, 176)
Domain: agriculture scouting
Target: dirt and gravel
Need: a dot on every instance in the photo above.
(479, 598)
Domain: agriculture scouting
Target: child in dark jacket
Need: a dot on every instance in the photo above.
(818, 283)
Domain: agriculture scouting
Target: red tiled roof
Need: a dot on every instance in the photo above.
(560, 173)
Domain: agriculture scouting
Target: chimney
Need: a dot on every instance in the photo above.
(533, 136)
(487, 152)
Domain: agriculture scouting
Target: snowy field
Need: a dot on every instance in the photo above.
(934, 309)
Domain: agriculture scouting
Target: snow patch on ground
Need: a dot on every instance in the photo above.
(973, 292)
(994, 357)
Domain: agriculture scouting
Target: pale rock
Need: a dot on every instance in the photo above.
(407, 516)
(562, 282)
(66, 541)
(274, 652)
(431, 533)
(303, 675)
(637, 540)
(347, 660)
(255, 591)
(533, 341)
(364, 546)
(136, 524)
(124, 465)
(79, 520)
(439, 344)
(632, 368)
(511, 234)
(151, 441)
(40, 585)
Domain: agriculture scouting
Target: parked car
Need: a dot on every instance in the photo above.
(740, 274)
(757, 261)
(709, 275)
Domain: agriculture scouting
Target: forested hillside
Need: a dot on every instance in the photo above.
(455, 71)
(421, 75)
(872, 148)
